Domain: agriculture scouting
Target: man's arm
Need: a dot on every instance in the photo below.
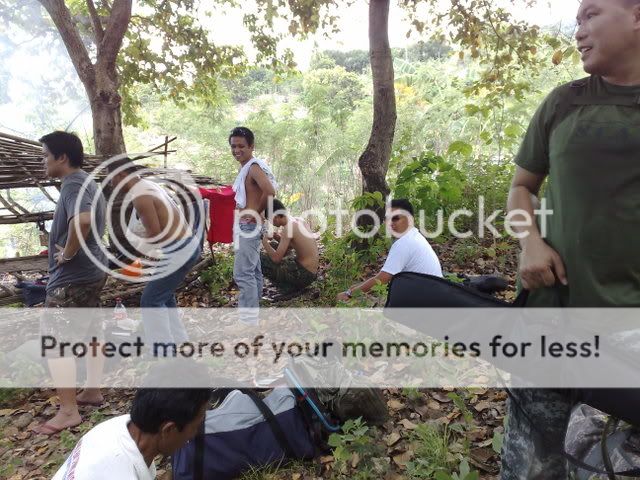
(278, 254)
(540, 265)
(79, 227)
(381, 277)
(258, 175)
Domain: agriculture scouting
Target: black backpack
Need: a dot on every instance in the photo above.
(415, 290)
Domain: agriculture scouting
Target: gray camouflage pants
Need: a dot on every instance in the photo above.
(525, 454)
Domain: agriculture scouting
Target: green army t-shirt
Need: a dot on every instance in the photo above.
(592, 158)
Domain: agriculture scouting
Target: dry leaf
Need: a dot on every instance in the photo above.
(5, 412)
(392, 439)
(557, 57)
(481, 406)
(409, 425)
(398, 367)
(355, 459)
(482, 455)
(433, 405)
(326, 459)
(403, 458)
(395, 405)
(441, 397)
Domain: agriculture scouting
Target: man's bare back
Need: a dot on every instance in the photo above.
(304, 243)
(158, 212)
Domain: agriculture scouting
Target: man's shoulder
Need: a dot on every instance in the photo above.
(568, 90)
(98, 449)
(76, 181)
(406, 241)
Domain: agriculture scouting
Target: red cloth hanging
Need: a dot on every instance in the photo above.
(222, 205)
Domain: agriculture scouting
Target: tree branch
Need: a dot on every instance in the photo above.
(63, 21)
(95, 20)
(114, 34)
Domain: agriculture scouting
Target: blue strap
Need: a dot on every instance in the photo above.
(314, 407)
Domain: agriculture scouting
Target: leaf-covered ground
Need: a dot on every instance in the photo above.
(469, 422)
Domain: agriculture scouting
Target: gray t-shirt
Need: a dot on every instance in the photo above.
(80, 269)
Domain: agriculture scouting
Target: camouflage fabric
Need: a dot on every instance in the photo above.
(287, 275)
(583, 441)
(76, 296)
(72, 328)
(525, 454)
(345, 401)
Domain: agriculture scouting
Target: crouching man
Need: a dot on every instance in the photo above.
(410, 251)
(161, 421)
(289, 274)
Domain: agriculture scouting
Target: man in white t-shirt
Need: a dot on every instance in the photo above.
(161, 421)
(409, 253)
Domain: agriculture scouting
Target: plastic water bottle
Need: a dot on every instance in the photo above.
(124, 325)
(119, 312)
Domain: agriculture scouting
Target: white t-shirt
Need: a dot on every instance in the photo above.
(412, 253)
(106, 452)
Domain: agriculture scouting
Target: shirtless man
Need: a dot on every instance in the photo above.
(289, 274)
(253, 187)
(158, 229)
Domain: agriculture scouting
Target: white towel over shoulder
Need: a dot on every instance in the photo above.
(239, 184)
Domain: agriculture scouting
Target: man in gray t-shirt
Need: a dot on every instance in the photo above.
(76, 197)
(75, 278)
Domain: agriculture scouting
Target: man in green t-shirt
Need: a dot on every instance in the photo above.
(585, 139)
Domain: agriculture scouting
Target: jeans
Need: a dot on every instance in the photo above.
(162, 324)
(247, 272)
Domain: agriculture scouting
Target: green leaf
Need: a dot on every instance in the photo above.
(496, 442)
(443, 476)
(464, 468)
(463, 148)
(334, 440)
(512, 130)
(471, 109)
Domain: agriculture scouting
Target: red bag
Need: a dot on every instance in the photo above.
(222, 205)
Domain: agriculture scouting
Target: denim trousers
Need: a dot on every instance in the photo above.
(247, 272)
(160, 318)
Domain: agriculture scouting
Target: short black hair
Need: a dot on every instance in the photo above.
(60, 143)
(243, 132)
(402, 203)
(275, 206)
(172, 391)
(125, 163)
(152, 407)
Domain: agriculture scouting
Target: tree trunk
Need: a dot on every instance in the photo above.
(100, 78)
(106, 113)
(374, 161)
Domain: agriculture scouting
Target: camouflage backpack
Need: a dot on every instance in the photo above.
(620, 452)
(344, 400)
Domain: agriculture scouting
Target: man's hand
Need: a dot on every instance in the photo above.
(540, 266)
(59, 255)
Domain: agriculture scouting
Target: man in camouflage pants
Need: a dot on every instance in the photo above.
(287, 273)
(75, 276)
(589, 150)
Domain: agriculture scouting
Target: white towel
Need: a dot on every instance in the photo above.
(239, 184)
